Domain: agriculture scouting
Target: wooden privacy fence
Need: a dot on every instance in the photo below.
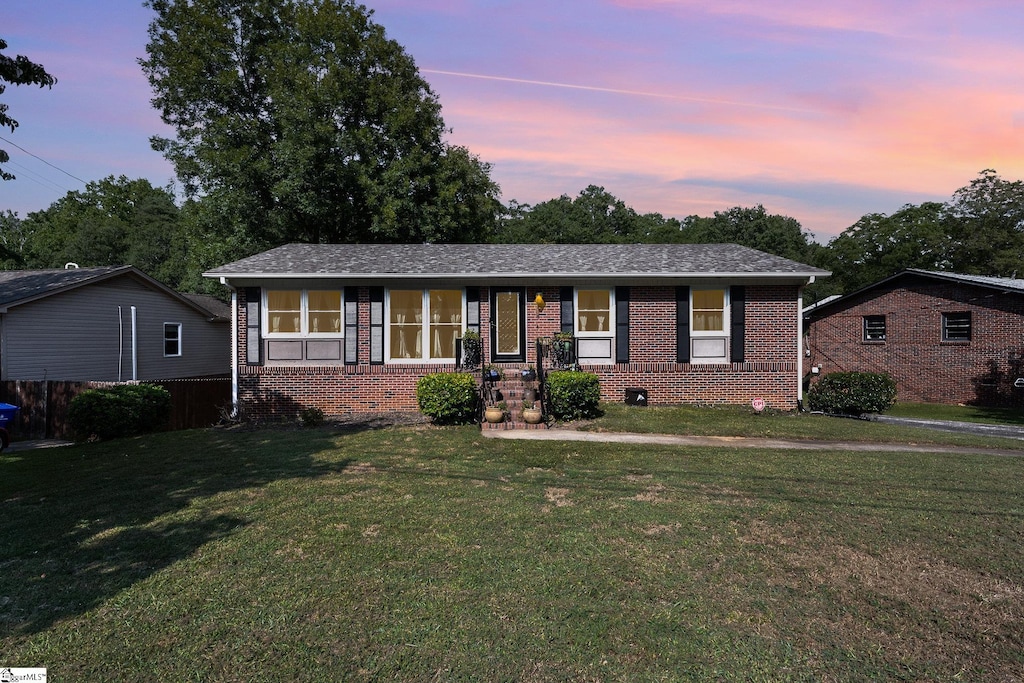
(44, 404)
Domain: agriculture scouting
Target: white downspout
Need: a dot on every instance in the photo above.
(120, 343)
(234, 353)
(135, 346)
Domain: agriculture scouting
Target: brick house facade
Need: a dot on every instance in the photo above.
(944, 337)
(707, 324)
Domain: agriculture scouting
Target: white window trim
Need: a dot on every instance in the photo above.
(424, 326)
(610, 332)
(180, 341)
(303, 314)
(724, 332)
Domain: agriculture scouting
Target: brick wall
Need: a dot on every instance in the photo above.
(926, 369)
(770, 370)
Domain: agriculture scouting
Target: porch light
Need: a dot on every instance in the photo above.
(539, 302)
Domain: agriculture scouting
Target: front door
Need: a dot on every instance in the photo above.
(508, 325)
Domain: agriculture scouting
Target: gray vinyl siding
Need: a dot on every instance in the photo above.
(82, 335)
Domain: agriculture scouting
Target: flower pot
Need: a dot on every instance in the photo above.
(494, 415)
(532, 416)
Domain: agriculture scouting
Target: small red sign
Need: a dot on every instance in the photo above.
(758, 404)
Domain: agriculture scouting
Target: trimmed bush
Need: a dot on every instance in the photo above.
(853, 393)
(312, 417)
(448, 397)
(573, 395)
(123, 410)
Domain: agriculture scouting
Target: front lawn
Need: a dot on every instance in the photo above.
(422, 553)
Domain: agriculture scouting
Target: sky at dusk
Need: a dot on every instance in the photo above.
(823, 111)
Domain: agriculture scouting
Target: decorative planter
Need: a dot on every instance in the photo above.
(492, 414)
(532, 416)
(529, 395)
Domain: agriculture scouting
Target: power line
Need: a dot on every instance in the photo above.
(70, 175)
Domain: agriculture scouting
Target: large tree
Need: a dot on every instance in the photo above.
(114, 221)
(987, 223)
(877, 246)
(299, 120)
(19, 70)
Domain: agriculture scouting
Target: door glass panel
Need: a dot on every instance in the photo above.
(445, 321)
(406, 323)
(506, 316)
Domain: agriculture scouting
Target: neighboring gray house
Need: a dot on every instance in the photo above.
(111, 323)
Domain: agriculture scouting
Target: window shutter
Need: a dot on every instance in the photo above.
(568, 310)
(473, 309)
(376, 325)
(253, 342)
(682, 324)
(737, 317)
(351, 325)
(622, 324)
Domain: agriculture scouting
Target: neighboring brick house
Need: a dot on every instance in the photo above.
(944, 337)
(352, 328)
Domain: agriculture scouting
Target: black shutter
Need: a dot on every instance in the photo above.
(622, 324)
(473, 309)
(253, 342)
(351, 325)
(376, 325)
(682, 324)
(568, 310)
(737, 316)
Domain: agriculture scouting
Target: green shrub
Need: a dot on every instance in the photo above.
(853, 393)
(312, 417)
(123, 410)
(448, 397)
(573, 395)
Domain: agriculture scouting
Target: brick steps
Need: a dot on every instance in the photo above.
(513, 392)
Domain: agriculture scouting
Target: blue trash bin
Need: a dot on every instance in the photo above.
(7, 413)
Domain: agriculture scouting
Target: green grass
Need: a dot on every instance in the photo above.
(436, 554)
(936, 411)
(744, 422)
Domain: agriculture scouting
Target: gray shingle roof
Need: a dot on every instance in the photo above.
(1006, 283)
(512, 260)
(21, 285)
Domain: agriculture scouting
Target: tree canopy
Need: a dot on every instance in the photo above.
(980, 231)
(299, 120)
(19, 70)
(114, 221)
(595, 216)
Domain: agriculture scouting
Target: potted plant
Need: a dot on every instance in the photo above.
(492, 373)
(495, 413)
(531, 413)
(529, 374)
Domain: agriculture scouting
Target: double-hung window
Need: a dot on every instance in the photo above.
(709, 325)
(172, 339)
(424, 324)
(304, 312)
(593, 312)
(956, 326)
(874, 328)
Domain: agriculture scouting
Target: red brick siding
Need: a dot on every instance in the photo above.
(925, 368)
(770, 370)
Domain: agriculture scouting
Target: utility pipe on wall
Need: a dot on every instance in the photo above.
(135, 346)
